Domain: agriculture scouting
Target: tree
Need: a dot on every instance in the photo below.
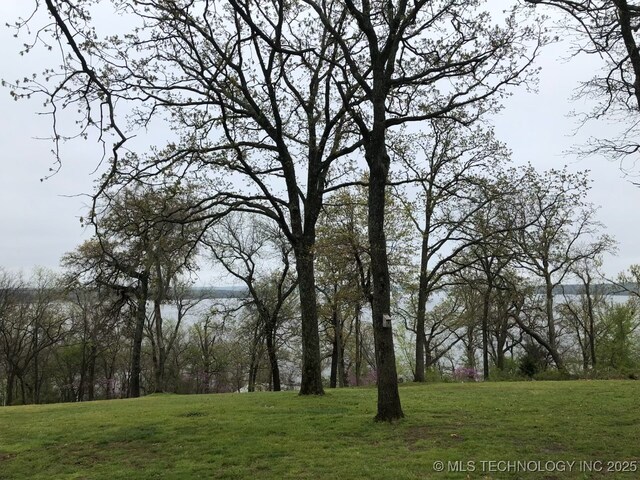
(94, 314)
(560, 232)
(241, 243)
(583, 311)
(344, 273)
(441, 324)
(470, 301)
(397, 57)
(204, 336)
(343, 278)
(102, 263)
(344, 264)
(163, 340)
(251, 95)
(449, 193)
(291, 95)
(31, 324)
(488, 262)
(141, 248)
(618, 348)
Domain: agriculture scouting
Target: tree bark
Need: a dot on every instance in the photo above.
(11, 380)
(423, 296)
(542, 342)
(333, 376)
(36, 365)
(22, 389)
(389, 407)
(419, 375)
(136, 353)
(83, 370)
(254, 360)
(337, 353)
(470, 349)
(311, 365)
(273, 357)
(501, 340)
(591, 334)
(358, 344)
(91, 380)
(161, 354)
(485, 332)
(551, 326)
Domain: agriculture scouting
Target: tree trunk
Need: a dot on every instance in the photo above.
(485, 333)
(470, 350)
(543, 343)
(591, 334)
(311, 365)
(553, 342)
(159, 376)
(423, 296)
(429, 359)
(273, 356)
(501, 340)
(11, 380)
(91, 380)
(253, 373)
(83, 371)
(36, 366)
(22, 389)
(136, 353)
(161, 354)
(340, 372)
(358, 345)
(333, 375)
(337, 353)
(389, 407)
(254, 355)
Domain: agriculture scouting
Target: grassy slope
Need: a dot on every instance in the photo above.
(282, 435)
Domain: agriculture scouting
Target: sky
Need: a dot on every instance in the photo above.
(39, 220)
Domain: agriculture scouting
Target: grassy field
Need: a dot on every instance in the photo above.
(474, 428)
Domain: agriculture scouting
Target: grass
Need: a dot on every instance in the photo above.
(283, 435)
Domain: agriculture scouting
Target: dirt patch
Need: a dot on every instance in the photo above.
(416, 437)
(193, 414)
(7, 456)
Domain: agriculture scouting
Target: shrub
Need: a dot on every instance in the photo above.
(511, 372)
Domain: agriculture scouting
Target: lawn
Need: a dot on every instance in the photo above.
(482, 430)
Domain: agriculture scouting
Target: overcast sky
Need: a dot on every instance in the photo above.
(40, 220)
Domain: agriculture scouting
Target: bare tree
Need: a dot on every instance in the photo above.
(582, 310)
(31, 323)
(608, 29)
(449, 193)
(560, 232)
(241, 244)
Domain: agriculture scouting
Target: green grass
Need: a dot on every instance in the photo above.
(282, 435)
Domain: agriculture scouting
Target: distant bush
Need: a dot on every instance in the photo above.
(528, 366)
(533, 361)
